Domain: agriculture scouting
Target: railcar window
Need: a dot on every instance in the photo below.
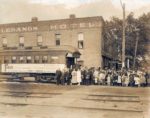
(14, 59)
(45, 59)
(29, 59)
(37, 59)
(21, 41)
(39, 40)
(54, 59)
(21, 59)
(4, 39)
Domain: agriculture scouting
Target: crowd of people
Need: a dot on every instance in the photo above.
(97, 76)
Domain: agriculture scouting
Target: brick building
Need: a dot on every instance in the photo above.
(84, 34)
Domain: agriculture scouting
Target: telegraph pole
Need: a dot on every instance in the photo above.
(123, 35)
(136, 45)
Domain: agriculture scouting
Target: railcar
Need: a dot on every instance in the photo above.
(38, 62)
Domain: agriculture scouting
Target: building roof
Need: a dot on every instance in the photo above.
(49, 25)
(34, 20)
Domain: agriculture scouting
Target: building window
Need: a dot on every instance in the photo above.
(45, 59)
(57, 37)
(21, 59)
(21, 41)
(39, 40)
(29, 59)
(4, 41)
(80, 41)
(14, 59)
(6, 60)
(37, 59)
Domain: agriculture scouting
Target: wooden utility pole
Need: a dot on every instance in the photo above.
(123, 35)
(136, 46)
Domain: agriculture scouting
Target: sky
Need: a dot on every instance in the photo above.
(131, 4)
(23, 10)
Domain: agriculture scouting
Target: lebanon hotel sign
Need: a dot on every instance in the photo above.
(11, 29)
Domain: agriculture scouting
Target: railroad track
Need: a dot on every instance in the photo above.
(88, 97)
(83, 102)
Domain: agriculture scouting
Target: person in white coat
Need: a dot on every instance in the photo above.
(79, 76)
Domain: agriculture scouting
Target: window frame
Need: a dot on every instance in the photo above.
(4, 42)
(57, 39)
(39, 40)
(80, 40)
(21, 41)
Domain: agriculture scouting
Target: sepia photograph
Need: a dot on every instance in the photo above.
(74, 58)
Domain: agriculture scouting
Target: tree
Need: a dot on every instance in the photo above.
(114, 26)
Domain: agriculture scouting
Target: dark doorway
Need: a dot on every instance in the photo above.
(70, 61)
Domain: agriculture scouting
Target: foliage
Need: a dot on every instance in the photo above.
(114, 27)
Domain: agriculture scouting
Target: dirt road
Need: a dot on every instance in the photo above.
(32, 100)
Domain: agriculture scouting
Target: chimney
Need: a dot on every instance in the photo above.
(72, 16)
(34, 19)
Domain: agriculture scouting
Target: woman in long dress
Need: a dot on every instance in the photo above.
(108, 79)
(74, 77)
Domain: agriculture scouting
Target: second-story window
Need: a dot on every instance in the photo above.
(80, 40)
(57, 38)
(4, 39)
(39, 40)
(21, 41)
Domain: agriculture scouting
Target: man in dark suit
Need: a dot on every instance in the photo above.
(58, 76)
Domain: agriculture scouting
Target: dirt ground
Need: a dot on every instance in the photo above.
(34, 100)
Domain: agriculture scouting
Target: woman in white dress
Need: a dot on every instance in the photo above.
(109, 80)
(74, 76)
